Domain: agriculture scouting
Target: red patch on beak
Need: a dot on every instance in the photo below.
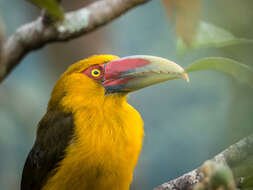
(114, 68)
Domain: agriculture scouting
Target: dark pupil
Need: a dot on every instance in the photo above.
(96, 72)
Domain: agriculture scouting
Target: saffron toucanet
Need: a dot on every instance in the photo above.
(90, 137)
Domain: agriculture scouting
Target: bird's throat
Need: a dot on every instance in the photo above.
(104, 152)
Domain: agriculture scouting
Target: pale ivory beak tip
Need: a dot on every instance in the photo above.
(186, 77)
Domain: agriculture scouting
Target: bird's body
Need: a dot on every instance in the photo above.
(90, 138)
(105, 147)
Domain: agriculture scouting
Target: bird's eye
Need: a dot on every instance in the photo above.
(95, 72)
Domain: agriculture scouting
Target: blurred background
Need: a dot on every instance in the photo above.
(185, 124)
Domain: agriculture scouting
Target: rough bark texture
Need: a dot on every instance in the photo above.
(36, 34)
(238, 157)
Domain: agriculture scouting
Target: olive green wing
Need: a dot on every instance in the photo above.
(55, 131)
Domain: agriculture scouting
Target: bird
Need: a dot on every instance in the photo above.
(90, 137)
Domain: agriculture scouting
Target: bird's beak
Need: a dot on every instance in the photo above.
(135, 72)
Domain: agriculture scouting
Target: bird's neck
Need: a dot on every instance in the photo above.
(74, 102)
(108, 136)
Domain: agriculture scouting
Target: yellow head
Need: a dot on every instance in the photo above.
(102, 75)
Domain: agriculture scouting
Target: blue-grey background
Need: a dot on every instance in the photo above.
(185, 124)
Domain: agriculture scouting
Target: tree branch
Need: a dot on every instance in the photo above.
(238, 157)
(36, 34)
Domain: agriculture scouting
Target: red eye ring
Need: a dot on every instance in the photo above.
(95, 72)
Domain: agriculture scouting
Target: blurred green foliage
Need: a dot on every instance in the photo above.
(52, 7)
(209, 35)
(238, 70)
(216, 176)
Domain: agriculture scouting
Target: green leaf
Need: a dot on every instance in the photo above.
(2, 31)
(2, 35)
(238, 70)
(209, 35)
(51, 6)
(222, 176)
